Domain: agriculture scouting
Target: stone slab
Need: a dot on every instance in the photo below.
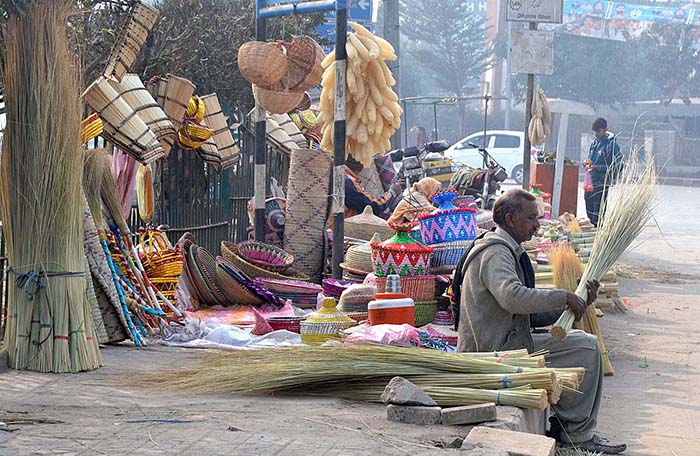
(414, 414)
(515, 443)
(469, 414)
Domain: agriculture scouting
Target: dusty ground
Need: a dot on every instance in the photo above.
(651, 403)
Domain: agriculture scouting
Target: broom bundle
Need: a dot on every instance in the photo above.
(622, 218)
(50, 325)
(345, 370)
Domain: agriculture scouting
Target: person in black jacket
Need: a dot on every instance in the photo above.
(604, 164)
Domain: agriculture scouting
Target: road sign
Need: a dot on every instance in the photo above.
(549, 11)
(327, 32)
(532, 52)
(360, 10)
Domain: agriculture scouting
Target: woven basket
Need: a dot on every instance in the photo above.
(232, 289)
(277, 102)
(207, 266)
(265, 256)
(133, 34)
(290, 286)
(307, 204)
(425, 313)
(418, 288)
(158, 259)
(446, 256)
(304, 70)
(366, 224)
(359, 317)
(263, 64)
(335, 288)
(229, 251)
(325, 324)
(448, 226)
(292, 324)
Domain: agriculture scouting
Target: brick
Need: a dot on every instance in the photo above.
(515, 443)
(400, 391)
(469, 414)
(413, 414)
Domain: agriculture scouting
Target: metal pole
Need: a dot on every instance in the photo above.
(486, 116)
(509, 90)
(393, 36)
(559, 169)
(260, 143)
(405, 123)
(529, 90)
(435, 121)
(341, 27)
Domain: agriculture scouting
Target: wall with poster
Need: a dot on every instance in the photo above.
(625, 21)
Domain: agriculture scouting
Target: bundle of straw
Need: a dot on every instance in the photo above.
(622, 219)
(341, 370)
(50, 325)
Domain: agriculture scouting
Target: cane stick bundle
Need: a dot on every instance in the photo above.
(622, 219)
(49, 320)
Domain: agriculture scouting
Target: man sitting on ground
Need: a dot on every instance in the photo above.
(499, 306)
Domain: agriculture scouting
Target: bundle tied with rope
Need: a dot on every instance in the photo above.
(49, 319)
(541, 122)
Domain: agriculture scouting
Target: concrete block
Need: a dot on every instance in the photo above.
(483, 452)
(515, 443)
(413, 414)
(519, 420)
(469, 414)
(400, 391)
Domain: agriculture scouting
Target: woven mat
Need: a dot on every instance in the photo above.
(97, 321)
(106, 292)
(307, 205)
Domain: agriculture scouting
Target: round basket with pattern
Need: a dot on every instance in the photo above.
(401, 254)
(446, 256)
(292, 324)
(265, 256)
(334, 288)
(424, 313)
(325, 324)
(448, 223)
(230, 252)
(419, 288)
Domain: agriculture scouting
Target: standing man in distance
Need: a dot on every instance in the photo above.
(604, 164)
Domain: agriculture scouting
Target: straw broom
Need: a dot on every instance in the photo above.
(622, 219)
(566, 270)
(50, 326)
(287, 370)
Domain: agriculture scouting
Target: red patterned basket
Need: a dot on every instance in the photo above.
(292, 324)
(265, 256)
(418, 288)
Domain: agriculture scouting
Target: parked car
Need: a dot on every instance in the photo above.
(506, 147)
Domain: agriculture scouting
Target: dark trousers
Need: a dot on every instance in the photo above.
(594, 201)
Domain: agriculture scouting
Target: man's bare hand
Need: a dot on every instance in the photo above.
(576, 305)
(592, 286)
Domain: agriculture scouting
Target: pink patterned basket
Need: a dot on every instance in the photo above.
(265, 256)
(418, 288)
(292, 324)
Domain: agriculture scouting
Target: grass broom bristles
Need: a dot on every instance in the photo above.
(567, 269)
(622, 218)
(41, 180)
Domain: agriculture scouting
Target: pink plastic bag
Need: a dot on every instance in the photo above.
(587, 182)
(395, 335)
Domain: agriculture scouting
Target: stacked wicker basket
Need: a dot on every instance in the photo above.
(281, 72)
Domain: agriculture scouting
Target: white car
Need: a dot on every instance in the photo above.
(505, 146)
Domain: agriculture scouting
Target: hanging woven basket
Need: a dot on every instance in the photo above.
(263, 64)
(277, 102)
(304, 70)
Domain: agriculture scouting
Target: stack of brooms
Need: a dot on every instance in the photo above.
(623, 217)
(360, 372)
(49, 325)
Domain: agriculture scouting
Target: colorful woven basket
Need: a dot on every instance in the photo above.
(448, 223)
(401, 254)
(446, 256)
(266, 256)
(292, 324)
(424, 313)
(325, 324)
(229, 251)
(334, 288)
(419, 288)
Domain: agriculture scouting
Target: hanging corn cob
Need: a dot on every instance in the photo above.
(372, 111)
(541, 122)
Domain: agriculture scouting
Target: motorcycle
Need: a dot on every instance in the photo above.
(483, 185)
(413, 163)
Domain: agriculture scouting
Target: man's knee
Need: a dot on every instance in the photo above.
(584, 340)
